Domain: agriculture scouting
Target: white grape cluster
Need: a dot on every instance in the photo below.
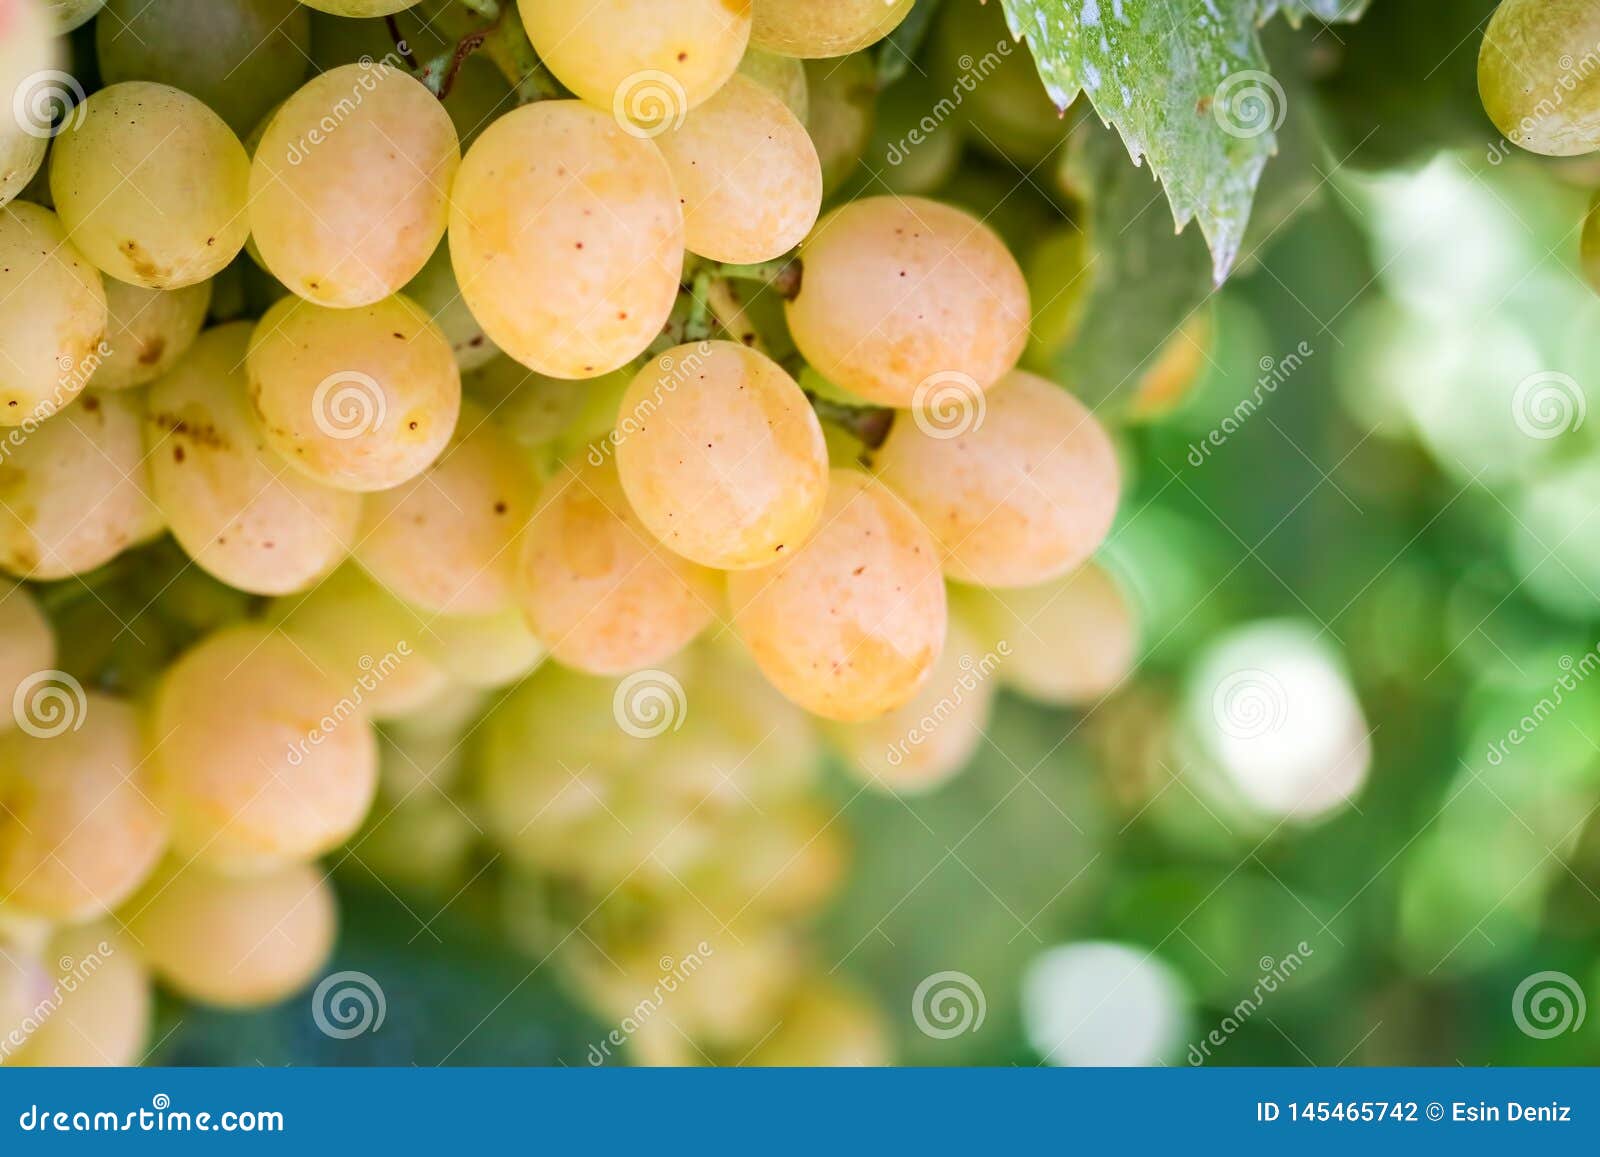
(458, 365)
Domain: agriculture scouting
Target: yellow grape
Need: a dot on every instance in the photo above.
(147, 331)
(436, 291)
(646, 61)
(817, 28)
(262, 757)
(22, 151)
(849, 626)
(151, 185)
(567, 238)
(1019, 485)
(903, 296)
(782, 75)
(1068, 642)
(350, 184)
(350, 626)
(70, 14)
(233, 505)
(75, 492)
(483, 650)
(53, 326)
(359, 7)
(1527, 79)
(447, 540)
(231, 942)
(79, 831)
(721, 456)
(826, 1025)
(748, 174)
(597, 588)
(27, 645)
(359, 399)
(96, 1010)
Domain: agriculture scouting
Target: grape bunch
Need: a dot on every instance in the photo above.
(522, 440)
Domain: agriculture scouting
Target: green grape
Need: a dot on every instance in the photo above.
(423, 844)
(820, 28)
(264, 758)
(483, 650)
(231, 942)
(976, 63)
(358, 399)
(826, 1025)
(721, 456)
(747, 173)
(540, 414)
(27, 645)
(597, 588)
(70, 14)
(435, 290)
(151, 185)
(350, 184)
(1536, 75)
(419, 757)
(240, 57)
(469, 508)
(571, 278)
(851, 625)
(225, 495)
(902, 295)
(1589, 246)
(911, 150)
(79, 832)
(648, 61)
(22, 151)
(784, 862)
(1061, 271)
(842, 104)
(359, 7)
(148, 330)
(74, 494)
(782, 75)
(53, 327)
(103, 1004)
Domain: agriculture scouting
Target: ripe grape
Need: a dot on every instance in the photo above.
(1068, 642)
(78, 832)
(849, 626)
(240, 57)
(350, 184)
(70, 14)
(75, 493)
(469, 509)
(597, 588)
(102, 1017)
(27, 645)
(147, 331)
(1530, 87)
(748, 175)
(818, 28)
(483, 650)
(230, 501)
(905, 294)
(151, 185)
(1019, 486)
(648, 61)
(436, 291)
(721, 456)
(54, 321)
(235, 943)
(360, 399)
(783, 75)
(567, 239)
(262, 757)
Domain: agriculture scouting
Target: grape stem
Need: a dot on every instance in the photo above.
(503, 41)
(870, 425)
(402, 46)
(783, 276)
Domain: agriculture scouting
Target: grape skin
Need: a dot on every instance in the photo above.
(650, 60)
(1023, 492)
(74, 493)
(79, 832)
(54, 320)
(233, 505)
(851, 625)
(782, 75)
(21, 154)
(483, 650)
(358, 399)
(597, 588)
(1536, 100)
(346, 215)
(235, 943)
(822, 28)
(103, 1018)
(748, 175)
(27, 645)
(151, 185)
(899, 292)
(567, 239)
(147, 331)
(250, 774)
(70, 14)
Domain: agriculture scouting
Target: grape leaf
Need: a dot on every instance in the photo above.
(1185, 82)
